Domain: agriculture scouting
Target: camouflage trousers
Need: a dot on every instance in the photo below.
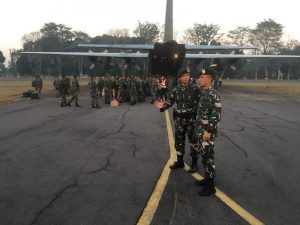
(63, 99)
(206, 150)
(38, 89)
(108, 94)
(74, 98)
(94, 100)
(185, 127)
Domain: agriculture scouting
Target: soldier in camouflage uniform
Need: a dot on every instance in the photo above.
(56, 84)
(186, 97)
(37, 84)
(122, 87)
(133, 91)
(101, 86)
(64, 90)
(94, 92)
(108, 90)
(75, 90)
(208, 117)
(154, 89)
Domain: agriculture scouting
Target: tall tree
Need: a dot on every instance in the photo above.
(202, 34)
(2, 60)
(12, 64)
(119, 32)
(240, 35)
(149, 31)
(267, 35)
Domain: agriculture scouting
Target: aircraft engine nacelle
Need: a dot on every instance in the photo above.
(166, 58)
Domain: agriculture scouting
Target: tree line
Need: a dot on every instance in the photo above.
(267, 35)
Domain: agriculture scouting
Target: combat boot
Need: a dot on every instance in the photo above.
(208, 189)
(178, 164)
(77, 105)
(202, 182)
(194, 166)
(93, 106)
(69, 104)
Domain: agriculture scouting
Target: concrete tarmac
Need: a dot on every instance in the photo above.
(67, 165)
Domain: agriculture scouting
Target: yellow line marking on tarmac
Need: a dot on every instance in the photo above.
(155, 197)
(229, 202)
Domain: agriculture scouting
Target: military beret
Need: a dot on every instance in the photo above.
(182, 71)
(207, 71)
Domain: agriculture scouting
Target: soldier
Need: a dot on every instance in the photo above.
(154, 89)
(186, 97)
(133, 91)
(64, 90)
(208, 116)
(107, 89)
(75, 90)
(93, 92)
(56, 84)
(122, 87)
(37, 84)
(101, 81)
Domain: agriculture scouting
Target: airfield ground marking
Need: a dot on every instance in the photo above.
(229, 202)
(155, 197)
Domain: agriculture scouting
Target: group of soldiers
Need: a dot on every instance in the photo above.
(64, 87)
(197, 113)
(130, 89)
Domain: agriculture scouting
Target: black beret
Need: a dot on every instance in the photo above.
(182, 71)
(207, 71)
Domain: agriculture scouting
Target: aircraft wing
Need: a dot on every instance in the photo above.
(118, 46)
(218, 47)
(235, 56)
(149, 47)
(96, 54)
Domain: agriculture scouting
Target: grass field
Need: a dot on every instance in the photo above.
(10, 90)
(291, 87)
(13, 89)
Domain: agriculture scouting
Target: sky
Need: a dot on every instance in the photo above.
(96, 17)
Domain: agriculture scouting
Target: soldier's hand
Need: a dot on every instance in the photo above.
(206, 136)
(159, 104)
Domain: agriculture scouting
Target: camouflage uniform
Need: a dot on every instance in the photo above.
(37, 84)
(108, 90)
(101, 86)
(56, 84)
(75, 89)
(208, 116)
(186, 99)
(122, 87)
(64, 90)
(154, 89)
(133, 91)
(94, 93)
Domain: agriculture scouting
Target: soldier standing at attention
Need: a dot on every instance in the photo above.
(186, 97)
(75, 90)
(94, 92)
(207, 119)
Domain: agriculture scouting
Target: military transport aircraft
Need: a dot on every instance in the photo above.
(165, 56)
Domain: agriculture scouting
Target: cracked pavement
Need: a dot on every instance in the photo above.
(78, 165)
(85, 166)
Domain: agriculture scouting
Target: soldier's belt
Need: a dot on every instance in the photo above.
(184, 115)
